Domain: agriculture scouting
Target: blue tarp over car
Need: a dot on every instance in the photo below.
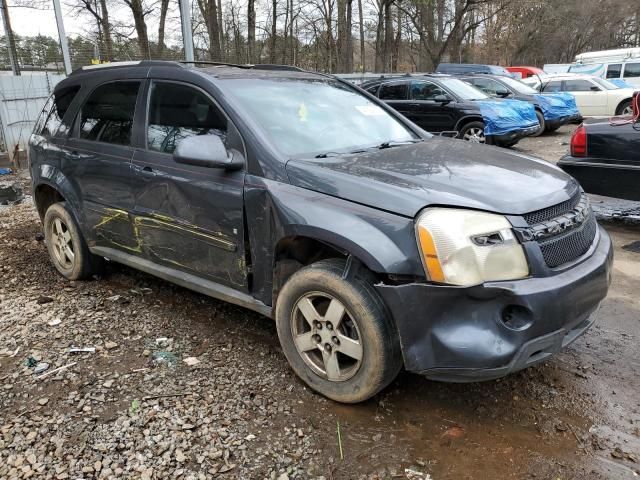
(557, 105)
(504, 116)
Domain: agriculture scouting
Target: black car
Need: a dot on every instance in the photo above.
(443, 103)
(550, 118)
(604, 158)
(371, 243)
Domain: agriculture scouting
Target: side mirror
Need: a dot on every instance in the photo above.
(443, 99)
(595, 88)
(503, 93)
(206, 151)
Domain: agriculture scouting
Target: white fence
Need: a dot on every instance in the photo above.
(21, 100)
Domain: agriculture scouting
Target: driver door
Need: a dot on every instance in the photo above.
(426, 112)
(188, 217)
(590, 98)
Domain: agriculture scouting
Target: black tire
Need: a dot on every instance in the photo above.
(83, 264)
(468, 128)
(381, 358)
(626, 104)
(542, 123)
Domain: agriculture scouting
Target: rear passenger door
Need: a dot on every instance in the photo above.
(97, 160)
(188, 218)
(395, 94)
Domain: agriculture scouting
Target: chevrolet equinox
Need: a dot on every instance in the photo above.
(372, 244)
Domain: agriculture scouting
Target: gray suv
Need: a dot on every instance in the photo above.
(372, 244)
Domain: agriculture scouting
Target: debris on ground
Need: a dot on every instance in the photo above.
(10, 193)
(73, 349)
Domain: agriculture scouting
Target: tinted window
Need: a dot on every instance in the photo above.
(54, 110)
(488, 86)
(179, 111)
(577, 86)
(107, 116)
(632, 70)
(393, 91)
(554, 86)
(426, 91)
(613, 70)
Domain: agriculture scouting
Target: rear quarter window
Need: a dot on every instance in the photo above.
(393, 91)
(632, 70)
(54, 111)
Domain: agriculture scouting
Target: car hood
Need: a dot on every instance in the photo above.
(437, 171)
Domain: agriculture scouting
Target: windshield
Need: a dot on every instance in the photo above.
(311, 115)
(463, 89)
(518, 86)
(606, 84)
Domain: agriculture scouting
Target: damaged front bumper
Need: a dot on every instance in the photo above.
(483, 332)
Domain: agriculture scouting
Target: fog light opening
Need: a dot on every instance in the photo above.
(517, 317)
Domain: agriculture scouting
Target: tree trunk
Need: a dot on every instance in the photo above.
(221, 31)
(141, 27)
(210, 15)
(164, 7)
(388, 37)
(251, 33)
(274, 18)
(362, 51)
(380, 31)
(342, 53)
(349, 63)
(106, 30)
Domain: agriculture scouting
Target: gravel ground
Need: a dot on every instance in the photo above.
(183, 386)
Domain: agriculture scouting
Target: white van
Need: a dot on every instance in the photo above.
(620, 64)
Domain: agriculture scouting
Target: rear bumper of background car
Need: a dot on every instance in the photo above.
(557, 122)
(483, 332)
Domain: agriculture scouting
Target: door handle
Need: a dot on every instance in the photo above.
(149, 172)
(147, 169)
(74, 154)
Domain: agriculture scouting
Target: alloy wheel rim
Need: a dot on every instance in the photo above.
(62, 244)
(628, 110)
(475, 135)
(326, 336)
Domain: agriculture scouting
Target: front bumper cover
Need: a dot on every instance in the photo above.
(513, 136)
(557, 122)
(460, 333)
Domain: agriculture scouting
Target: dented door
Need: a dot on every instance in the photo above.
(187, 217)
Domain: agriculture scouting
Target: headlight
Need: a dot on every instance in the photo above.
(465, 247)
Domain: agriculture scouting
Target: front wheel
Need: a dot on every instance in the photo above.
(336, 333)
(473, 132)
(542, 123)
(625, 108)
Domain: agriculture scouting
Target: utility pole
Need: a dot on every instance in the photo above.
(11, 41)
(62, 35)
(187, 35)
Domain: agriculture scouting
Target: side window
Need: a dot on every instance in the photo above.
(393, 91)
(577, 86)
(373, 90)
(54, 110)
(107, 115)
(425, 91)
(613, 70)
(553, 86)
(488, 86)
(179, 111)
(632, 70)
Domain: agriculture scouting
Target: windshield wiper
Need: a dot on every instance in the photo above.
(329, 154)
(396, 143)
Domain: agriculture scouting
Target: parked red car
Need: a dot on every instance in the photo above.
(525, 72)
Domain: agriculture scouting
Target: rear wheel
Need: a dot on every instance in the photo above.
(542, 123)
(336, 333)
(624, 108)
(68, 250)
(473, 132)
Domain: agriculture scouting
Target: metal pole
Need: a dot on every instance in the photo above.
(63, 37)
(187, 35)
(11, 41)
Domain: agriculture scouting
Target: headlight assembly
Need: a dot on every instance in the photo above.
(467, 247)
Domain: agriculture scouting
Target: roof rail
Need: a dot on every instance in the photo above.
(258, 66)
(134, 63)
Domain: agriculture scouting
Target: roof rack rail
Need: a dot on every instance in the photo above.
(134, 63)
(258, 66)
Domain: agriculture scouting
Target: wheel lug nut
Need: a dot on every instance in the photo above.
(318, 325)
(329, 326)
(335, 340)
(327, 347)
(316, 338)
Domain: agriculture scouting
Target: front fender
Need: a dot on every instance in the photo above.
(383, 241)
